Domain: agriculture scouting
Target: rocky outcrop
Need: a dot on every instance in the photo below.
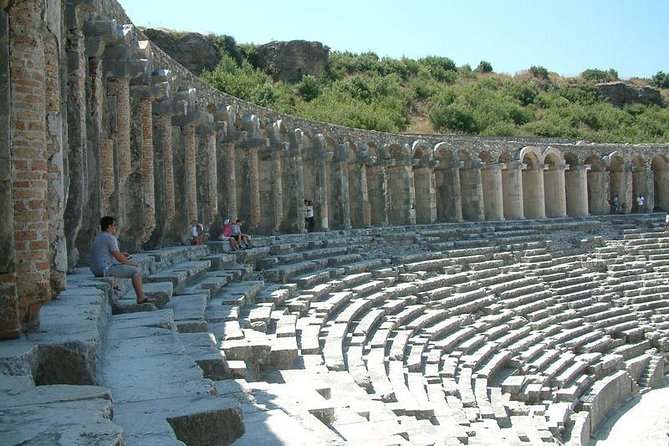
(621, 93)
(289, 61)
(194, 51)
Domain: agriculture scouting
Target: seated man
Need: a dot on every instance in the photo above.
(226, 234)
(238, 235)
(108, 260)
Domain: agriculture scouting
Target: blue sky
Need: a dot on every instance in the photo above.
(564, 36)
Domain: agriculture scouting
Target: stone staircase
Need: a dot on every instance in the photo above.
(436, 334)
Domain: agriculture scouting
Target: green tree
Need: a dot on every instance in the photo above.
(308, 88)
(595, 75)
(660, 80)
(484, 67)
(539, 72)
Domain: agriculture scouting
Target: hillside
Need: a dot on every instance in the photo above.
(429, 95)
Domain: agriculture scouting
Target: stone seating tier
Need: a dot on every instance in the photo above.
(381, 329)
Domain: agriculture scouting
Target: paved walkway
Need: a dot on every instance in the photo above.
(643, 421)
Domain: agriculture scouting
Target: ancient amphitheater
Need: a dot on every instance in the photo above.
(457, 290)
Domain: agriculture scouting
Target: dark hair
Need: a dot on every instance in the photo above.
(106, 222)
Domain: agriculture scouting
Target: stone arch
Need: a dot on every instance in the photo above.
(323, 152)
(554, 183)
(340, 212)
(447, 183)
(620, 182)
(401, 190)
(659, 167)
(424, 183)
(311, 168)
(533, 182)
(471, 186)
(357, 186)
(377, 184)
(576, 185)
(598, 185)
(491, 179)
(641, 182)
(512, 186)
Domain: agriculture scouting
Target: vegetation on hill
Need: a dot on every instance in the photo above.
(433, 95)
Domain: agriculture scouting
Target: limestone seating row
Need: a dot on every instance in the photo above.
(76, 350)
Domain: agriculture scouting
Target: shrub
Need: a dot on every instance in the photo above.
(484, 67)
(595, 75)
(660, 80)
(539, 72)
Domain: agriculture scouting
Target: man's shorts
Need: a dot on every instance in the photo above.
(123, 271)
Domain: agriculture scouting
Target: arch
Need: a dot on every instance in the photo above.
(471, 186)
(424, 183)
(620, 183)
(533, 183)
(377, 183)
(554, 183)
(658, 166)
(641, 184)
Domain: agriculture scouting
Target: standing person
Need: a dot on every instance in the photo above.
(666, 223)
(108, 260)
(309, 215)
(239, 236)
(640, 202)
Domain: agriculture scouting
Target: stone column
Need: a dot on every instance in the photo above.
(107, 177)
(229, 178)
(621, 185)
(576, 185)
(426, 194)
(9, 301)
(533, 193)
(450, 194)
(650, 191)
(555, 194)
(293, 188)
(359, 195)
(639, 183)
(321, 194)
(598, 192)
(377, 181)
(148, 197)
(472, 193)
(76, 123)
(277, 191)
(493, 199)
(56, 143)
(123, 141)
(402, 206)
(29, 166)
(254, 186)
(661, 200)
(340, 207)
(92, 188)
(190, 171)
(207, 183)
(512, 183)
(164, 174)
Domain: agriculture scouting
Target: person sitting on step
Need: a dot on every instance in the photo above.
(242, 239)
(226, 234)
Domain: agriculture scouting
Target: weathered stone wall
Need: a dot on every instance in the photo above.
(100, 121)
